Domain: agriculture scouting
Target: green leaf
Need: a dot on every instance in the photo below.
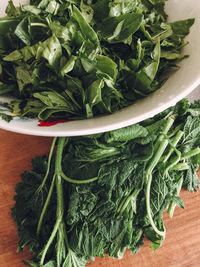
(8, 25)
(52, 7)
(182, 27)
(22, 31)
(146, 75)
(23, 76)
(69, 65)
(126, 134)
(106, 65)
(32, 9)
(72, 260)
(87, 11)
(51, 50)
(51, 98)
(118, 29)
(5, 117)
(191, 179)
(12, 11)
(170, 55)
(85, 28)
(25, 54)
(13, 56)
(159, 191)
(43, 4)
(191, 132)
(93, 93)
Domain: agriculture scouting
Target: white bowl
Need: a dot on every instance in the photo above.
(179, 85)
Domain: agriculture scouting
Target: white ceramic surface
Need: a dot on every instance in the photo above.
(180, 84)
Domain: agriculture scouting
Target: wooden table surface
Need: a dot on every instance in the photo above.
(181, 247)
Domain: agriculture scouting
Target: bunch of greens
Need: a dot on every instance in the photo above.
(101, 194)
(76, 59)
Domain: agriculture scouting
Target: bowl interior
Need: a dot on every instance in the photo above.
(180, 84)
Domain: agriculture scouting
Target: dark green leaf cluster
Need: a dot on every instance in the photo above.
(77, 59)
(6, 117)
(101, 194)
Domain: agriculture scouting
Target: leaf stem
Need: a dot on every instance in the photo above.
(175, 141)
(182, 166)
(45, 205)
(124, 200)
(42, 185)
(172, 205)
(53, 234)
(169, 123)
(49, 163)
(59, 166)
(191, 153)
(148, 190)
(157, 157)
(60, 201)
(129, 198)
(160, 145)
(175, 161)
(38, 24)
(70, 180)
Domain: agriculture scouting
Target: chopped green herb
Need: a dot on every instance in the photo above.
(6, 117)
(98, 56)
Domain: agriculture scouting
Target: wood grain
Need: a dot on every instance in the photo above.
(180, 249)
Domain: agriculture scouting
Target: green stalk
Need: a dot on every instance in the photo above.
(157, 156)
(191, 153)
(176, 130)
(60, 197)
(73, 181)
(160, 145)
(58, 176)
(70, 180)
(148, 190)
(174, 162)
(168, 125)
(131, 212)
(172, 205)
(48, 164)
(38, 24)
(60, 207)
(129, 198)
(175, 141)
(60, 201)
(124, 200)
(153, 163)
(58, 162)
(42, 185)
(53, 234)
(180, 167)
(45, 205)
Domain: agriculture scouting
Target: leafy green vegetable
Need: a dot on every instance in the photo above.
(101, 194)
(99, 56)
(5, 117)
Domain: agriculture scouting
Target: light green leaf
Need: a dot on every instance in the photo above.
(86, 29)
(72, 260)
(93, 92)
(51, 50)
(69, 65)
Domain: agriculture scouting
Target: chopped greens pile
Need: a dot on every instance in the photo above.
(101, 194)
(76, 59)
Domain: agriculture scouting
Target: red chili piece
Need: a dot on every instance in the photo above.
(50, 123)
